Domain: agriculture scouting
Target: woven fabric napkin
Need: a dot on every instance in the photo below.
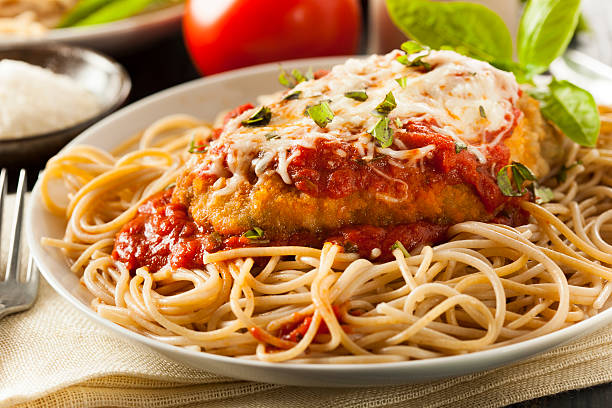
(52, 356)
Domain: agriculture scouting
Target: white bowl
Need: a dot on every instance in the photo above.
(113, 37)
(205, 98)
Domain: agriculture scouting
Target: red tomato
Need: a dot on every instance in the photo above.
(228, 34)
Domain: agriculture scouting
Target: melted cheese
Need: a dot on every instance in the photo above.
(453, 95)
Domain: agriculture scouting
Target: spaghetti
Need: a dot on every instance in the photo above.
(490, 285)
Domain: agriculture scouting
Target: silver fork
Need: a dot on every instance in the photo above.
(16, 295)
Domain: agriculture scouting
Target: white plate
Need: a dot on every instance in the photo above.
(112, 37)
(204, 98)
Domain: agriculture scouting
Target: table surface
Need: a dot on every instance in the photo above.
(166, 64)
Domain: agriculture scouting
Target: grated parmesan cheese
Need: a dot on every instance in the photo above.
(34, 100)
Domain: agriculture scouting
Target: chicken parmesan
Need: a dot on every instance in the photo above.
(402, 152)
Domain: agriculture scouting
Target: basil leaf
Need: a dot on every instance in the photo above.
(357, 95)
(562, 175)
(387, 105)
(414, 61)
(401, 247)
(524, 171)
(436, 24)
(572, 109)
(195, 148)
(321, 114)
(398, 123)
(285, 79)
(542, 194)
(270, 136)
(254, 233)
(545, 30)
(382, 133)
(505, 184)
(483, 114)
(260, 118)
(292, 95)
(411, 47)
(459, 147)
(297, 74)
(401, 81)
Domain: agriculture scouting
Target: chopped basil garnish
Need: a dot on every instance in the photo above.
(542, 194)
(357, 95)
(196, 148)
(398, 123)
(292, 95)
(412, 47)
(459, 147)
(254, 233)
(260, 118)
(387, 105)
(483, 114)
(401, 247)
(294, 78)
(382, 133)
(401, 81)
(520, 174)
(321, 113)
(562, 175)
(270, 136)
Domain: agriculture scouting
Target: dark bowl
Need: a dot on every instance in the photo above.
(103, 77)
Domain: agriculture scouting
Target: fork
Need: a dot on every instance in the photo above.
(16, 295)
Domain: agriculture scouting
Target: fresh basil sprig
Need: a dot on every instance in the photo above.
(545, 30)
(436, 24)
(387, 105)
(382, 132)
(572, 109)
(290, 80)
(357, 95)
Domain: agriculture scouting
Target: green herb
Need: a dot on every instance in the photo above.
(401, 81)
(382, 133)
(254, 233)
(292, 95)
(398, 123)
(401, 247)
(572, 109)
(460, 146)
(520, 173)
(260, 118)
(294, 78)
(270, 136)
(321, 113)
(412, 47)
(387, 105)
(113, 11)
(562, 175)
(82, 9)
(483, 114)
(414, 61)
(545, 30)
(357, 95)
(309, 74)
(542, 194)
(472, 26)
(197, 148)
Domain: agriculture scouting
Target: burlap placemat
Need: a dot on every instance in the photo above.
(52, 356)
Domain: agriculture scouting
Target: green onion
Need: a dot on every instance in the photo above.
(195, 148)
(357, 95)
(459, 147)
(483, 114)
(254, 233)
(321, 113)
(387, 105)
(401, 247)
(382, 133)
(260, 118)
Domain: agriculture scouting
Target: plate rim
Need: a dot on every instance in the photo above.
(482, 360)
